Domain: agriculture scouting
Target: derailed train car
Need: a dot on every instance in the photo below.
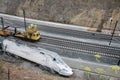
(40, 56)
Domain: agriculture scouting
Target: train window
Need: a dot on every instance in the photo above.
(37, 34)
(54, 59)
(42, 53)
(33, 34)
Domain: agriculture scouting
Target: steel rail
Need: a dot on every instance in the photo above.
(61, 43)
(84, 51)
(82, 46)
(80, 43)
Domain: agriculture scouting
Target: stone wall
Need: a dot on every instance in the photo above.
(90, 13)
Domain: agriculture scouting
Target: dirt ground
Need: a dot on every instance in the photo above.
(20, 73)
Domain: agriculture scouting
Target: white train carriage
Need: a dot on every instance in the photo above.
(40, 56)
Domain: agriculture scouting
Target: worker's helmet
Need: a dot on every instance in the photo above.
(30, 26)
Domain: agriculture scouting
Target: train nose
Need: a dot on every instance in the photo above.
(65, 72)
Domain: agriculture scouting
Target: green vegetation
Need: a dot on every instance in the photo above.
(97, 56)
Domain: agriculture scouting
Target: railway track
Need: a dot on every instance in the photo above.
(76, 45)
(109, 51)
(81, 46)
(67, 32)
